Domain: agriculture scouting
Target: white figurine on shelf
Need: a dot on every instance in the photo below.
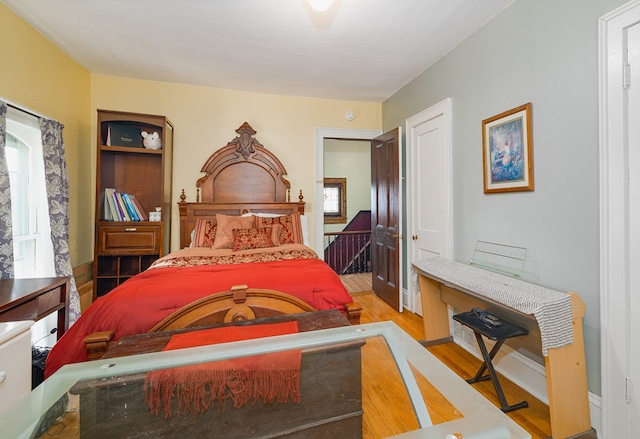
(151, 141)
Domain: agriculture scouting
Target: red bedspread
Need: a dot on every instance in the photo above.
(144, 300)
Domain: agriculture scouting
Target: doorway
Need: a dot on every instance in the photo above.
(619, 46)
(429, 190)
(323, 134)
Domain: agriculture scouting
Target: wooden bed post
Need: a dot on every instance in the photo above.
(182, 207)
(301, 203)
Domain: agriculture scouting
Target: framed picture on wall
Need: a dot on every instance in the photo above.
(507, 151)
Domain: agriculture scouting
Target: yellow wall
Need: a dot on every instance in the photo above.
(205, 119)
(37, 75)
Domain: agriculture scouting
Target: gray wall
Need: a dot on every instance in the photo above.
(544, 52)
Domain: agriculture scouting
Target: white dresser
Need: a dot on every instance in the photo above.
(15, 362)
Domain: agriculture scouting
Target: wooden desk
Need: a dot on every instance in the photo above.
(565, 366)
(33, 299)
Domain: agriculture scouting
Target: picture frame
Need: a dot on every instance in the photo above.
(507, 151)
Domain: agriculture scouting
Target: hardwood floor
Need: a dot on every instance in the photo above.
(534, 419)
(386, 406)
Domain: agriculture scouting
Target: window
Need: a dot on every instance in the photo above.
(32, 247)
(335, 200)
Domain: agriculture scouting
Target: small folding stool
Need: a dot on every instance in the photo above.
(477, 320)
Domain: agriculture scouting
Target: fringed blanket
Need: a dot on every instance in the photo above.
(268, 378)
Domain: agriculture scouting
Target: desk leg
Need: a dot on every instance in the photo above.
(567, 382)
(435, 315)
(488, 364)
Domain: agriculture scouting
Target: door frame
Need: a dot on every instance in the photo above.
(321, 135)
(614, 233)
(444, 109)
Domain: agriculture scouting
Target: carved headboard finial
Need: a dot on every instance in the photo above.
(245, 142)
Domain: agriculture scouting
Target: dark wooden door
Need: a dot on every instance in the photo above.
(385, 217)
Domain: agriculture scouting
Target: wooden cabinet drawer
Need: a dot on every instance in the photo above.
(129, 239)
(35, 308)
(26, 311)
(50, 300)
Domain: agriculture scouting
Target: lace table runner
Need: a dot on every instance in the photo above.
(551, 308)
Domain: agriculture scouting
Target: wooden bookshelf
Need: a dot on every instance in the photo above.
(125, 248)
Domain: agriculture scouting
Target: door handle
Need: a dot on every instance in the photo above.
(414, 237)
(395, 235)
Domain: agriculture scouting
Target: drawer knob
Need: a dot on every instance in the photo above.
(130, 229)
(3, 376)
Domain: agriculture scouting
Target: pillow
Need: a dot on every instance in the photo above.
(304, 222)
(204, 234)
(245, 239)
(291, 229)
(275, 234)
(226, 224)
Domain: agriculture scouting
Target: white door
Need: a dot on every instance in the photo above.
(620, 221)
(633, 45)
(428, 189)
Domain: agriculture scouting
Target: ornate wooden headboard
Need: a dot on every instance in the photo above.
(241, 177)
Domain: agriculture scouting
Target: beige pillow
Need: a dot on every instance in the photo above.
(225, 225)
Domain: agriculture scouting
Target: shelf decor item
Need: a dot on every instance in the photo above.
(123, 134)
(507, 145)
(151, 140)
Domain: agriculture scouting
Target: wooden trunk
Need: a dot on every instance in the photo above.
(330, 406)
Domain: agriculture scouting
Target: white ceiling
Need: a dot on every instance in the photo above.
(360, 50)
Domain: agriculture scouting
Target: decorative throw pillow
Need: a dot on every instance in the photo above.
(204, 234)
(275, 234)
(226, 224)
(245, 239)
(291, 229)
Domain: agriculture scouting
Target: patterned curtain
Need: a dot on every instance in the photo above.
(55, 170)
(6, 234)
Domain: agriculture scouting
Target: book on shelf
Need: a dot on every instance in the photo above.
(108, 216)
(110, 197)
(130, 209)
(122, 207)
(139, 210)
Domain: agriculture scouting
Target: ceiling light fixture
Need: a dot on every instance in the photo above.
(320, 5)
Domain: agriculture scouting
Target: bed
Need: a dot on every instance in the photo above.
(242, 234)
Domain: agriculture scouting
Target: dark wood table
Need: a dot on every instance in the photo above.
(33, 299)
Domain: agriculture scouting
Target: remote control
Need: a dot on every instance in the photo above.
(492, 320)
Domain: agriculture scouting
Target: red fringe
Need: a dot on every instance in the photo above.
(267, 378)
